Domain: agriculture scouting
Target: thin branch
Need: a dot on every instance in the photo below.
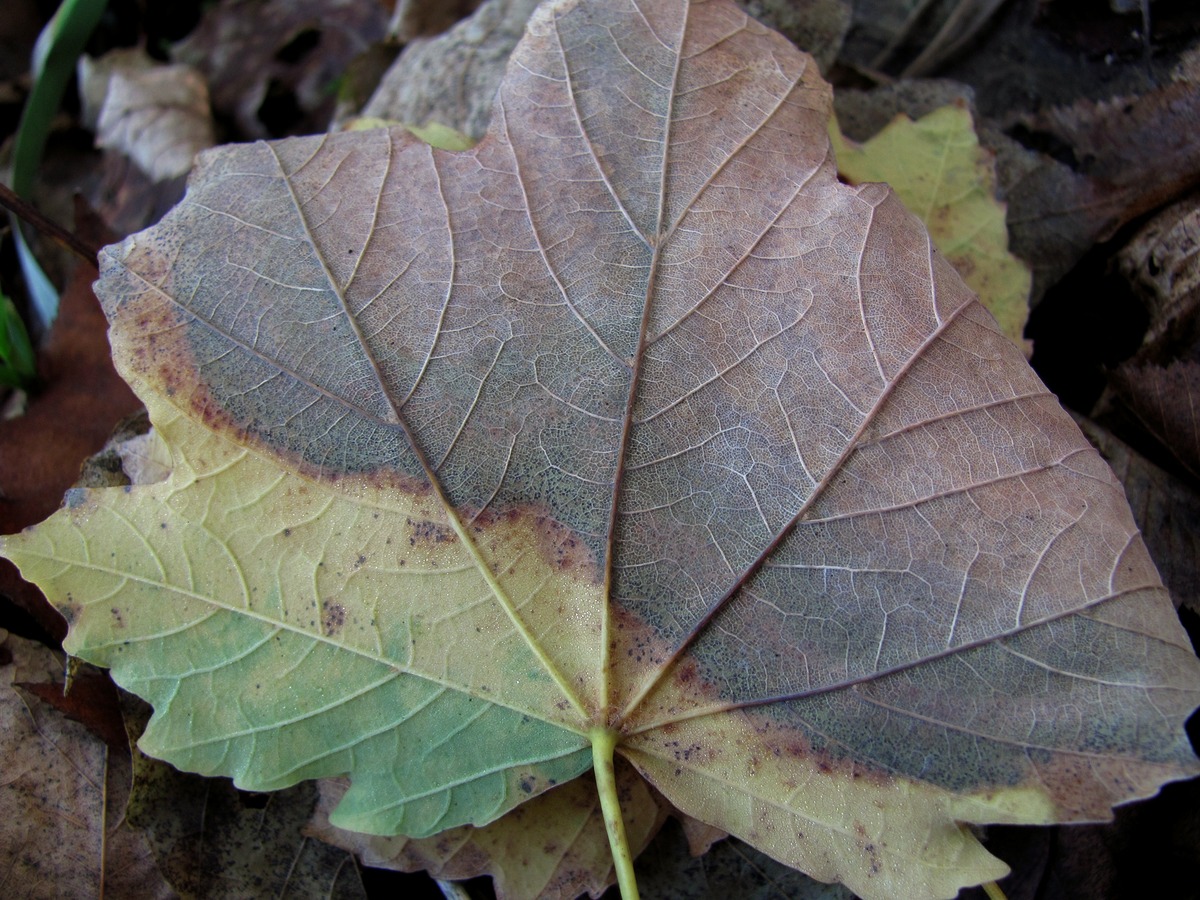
(25, 210)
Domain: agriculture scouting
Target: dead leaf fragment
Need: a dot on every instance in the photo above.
(1058, 211)
(1167, 401)
(89, 698)
(273, 66)
(451, 79)
(1162, 263)
(62, 831)
(413, 19)
(1166, 509)
(729, 869)
(1109, 140)
(212, 841)
(159, 117)
(94, 74)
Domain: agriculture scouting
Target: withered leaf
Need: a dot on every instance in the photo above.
(630, 426)
(1166, 399)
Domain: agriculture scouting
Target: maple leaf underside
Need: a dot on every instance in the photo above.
(631, 418)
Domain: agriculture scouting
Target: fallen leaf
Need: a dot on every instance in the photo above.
(93, 75)
(158, 117)
(210, 840)
(1162, 263)
(1108, 140)
(941, 173)
(1059, 211)
(144, 458)
(271, 65)
(63, 795)
(630, 426)
(863, 113)
(451, 79)
(1166, 399)
(91, 699)
(1166, 510)
(412, 19)
(730, 868)
(1055, 215)
(554, 846)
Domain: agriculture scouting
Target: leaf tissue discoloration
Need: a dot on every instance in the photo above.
(630, 423)
(333, 617)
(429, 532)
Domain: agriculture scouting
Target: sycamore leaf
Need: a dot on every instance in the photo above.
(937, 167)
(629, 427)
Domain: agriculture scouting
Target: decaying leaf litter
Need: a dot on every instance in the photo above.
(335, 616)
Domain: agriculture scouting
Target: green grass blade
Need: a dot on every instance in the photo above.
(18, 367)
(57, 49)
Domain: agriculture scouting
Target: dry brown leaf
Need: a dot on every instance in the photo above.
(273, 65)
(213, 842)
(158, 117)
(1166, 509)
(1056, 212)
(451, 79)
(62, 797)
(1166, 399)
(1162, 263)
(413, 19)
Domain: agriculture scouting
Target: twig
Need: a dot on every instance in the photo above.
(25, 210)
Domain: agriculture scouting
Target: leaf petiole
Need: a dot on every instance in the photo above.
(604, 742)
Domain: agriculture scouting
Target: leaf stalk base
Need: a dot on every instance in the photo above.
(604, 742)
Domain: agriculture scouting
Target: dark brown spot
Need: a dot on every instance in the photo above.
(430, 532)
(333, 617)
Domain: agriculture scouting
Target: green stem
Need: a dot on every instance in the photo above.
(604, 742)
